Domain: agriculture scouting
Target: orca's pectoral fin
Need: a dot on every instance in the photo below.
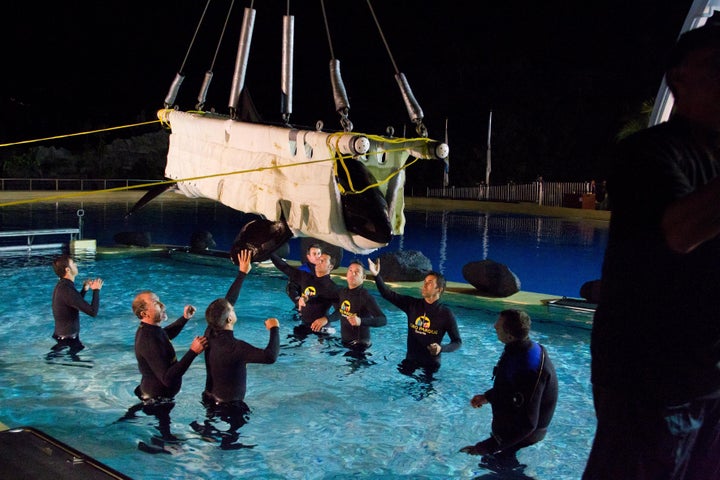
(151, 194)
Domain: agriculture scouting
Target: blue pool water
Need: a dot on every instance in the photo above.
(549, 255)
(316, 414)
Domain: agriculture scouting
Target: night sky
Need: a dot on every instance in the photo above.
(560, 77)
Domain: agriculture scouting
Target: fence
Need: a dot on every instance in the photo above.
(554, 194)
(83, 184)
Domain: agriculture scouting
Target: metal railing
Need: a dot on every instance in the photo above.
(82, 184)
(555, 194)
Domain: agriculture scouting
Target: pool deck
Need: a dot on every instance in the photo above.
(456, 292)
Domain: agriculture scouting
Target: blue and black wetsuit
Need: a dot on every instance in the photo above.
(523, 397)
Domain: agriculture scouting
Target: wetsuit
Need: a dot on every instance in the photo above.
(67, 303)
(427, 323)
(226, 357)
(321, 292)
(293, 290)
(523, 398)
(357, 301)
(161, 371)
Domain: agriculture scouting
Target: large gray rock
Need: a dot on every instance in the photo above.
(491, 278)
(201, 240)
(134, 239)
(404, 266)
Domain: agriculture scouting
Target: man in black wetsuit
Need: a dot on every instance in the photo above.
(226, 359)
(319, 292)
(312, 255)
(523, 395)
(67, 303)
(428, 321)
(160, 369)
(358, 311)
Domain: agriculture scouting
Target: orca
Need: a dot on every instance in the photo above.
(262, 237)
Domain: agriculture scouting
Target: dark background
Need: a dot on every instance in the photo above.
(561, 78)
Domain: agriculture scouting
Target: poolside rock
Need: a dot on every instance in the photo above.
(404, 266)
(590, 291)
(201, 240)
(491, 278)
(135, 239)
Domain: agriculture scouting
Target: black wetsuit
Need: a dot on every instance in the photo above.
(226, 357)
(322, 292)
(293, 290)
(523, 397)
(67, 303)
(357, 301)
(427, 323)
(161, 371)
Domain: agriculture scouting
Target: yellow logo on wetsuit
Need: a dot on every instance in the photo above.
(310, 291)
(345, 309)
(422, 325)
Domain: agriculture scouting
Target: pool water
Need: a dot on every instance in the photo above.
(316, 414)
(548, 255)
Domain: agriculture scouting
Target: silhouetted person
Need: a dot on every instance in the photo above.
(656, 332)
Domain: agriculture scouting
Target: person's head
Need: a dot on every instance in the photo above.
(324, 265)
(148, 307)
(693, 74)
(433, 286)
(65, 267)
(355, 274)
(313, 253)
(512, 325)
(220, 315)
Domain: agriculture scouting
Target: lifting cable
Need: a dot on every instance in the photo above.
(413, 108)
(202, 96)
(342, 104)
(180, 76)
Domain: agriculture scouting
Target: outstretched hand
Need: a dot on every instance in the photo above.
(374, 267)
(199, 344)
(244, 258)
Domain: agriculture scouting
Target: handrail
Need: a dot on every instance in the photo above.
(58, 184)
